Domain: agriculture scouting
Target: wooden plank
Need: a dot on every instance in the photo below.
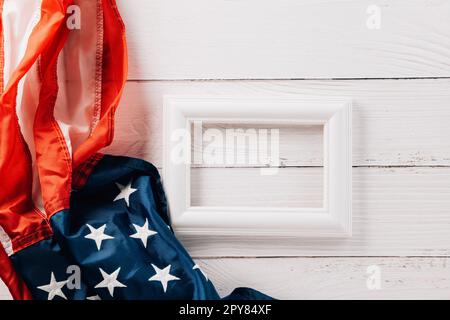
(247, 187)
(328, 278)
(266, 39)
(333, 278)
(395, 122)
(396, 212)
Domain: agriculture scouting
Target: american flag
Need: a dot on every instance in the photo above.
(74, 223)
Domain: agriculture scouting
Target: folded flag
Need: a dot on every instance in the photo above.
(115, 242)
(76, 224)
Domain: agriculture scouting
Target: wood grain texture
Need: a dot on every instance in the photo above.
(395, 122)
(266, 39)
(333, 278)
(247, 187)
(4, 292)
(396, 212)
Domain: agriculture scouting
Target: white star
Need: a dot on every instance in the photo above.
(98, 235)
(94, 298)
(163, 276)
(143, 232)
(110, 281)
(125, 192)
(54, 288)
(196, 267)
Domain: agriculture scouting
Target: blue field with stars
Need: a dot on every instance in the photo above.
(115, 242)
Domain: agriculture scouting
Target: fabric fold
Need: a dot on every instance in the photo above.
(76, 224)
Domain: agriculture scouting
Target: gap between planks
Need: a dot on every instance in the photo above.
(319, 257)
(400, 123)
(286, 79)
(306, 167)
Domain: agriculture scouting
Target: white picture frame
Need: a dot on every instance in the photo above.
(333, 220)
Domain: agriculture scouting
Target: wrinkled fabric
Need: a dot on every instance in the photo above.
(94, 205)
(60, 87)
(75, 224)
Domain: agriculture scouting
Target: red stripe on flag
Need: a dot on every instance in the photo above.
(53, 158)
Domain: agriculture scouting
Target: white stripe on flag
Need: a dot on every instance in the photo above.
(79, 66)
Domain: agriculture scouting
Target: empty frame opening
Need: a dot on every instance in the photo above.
(256, 165)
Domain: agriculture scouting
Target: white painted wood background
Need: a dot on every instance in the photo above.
(399, 79)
